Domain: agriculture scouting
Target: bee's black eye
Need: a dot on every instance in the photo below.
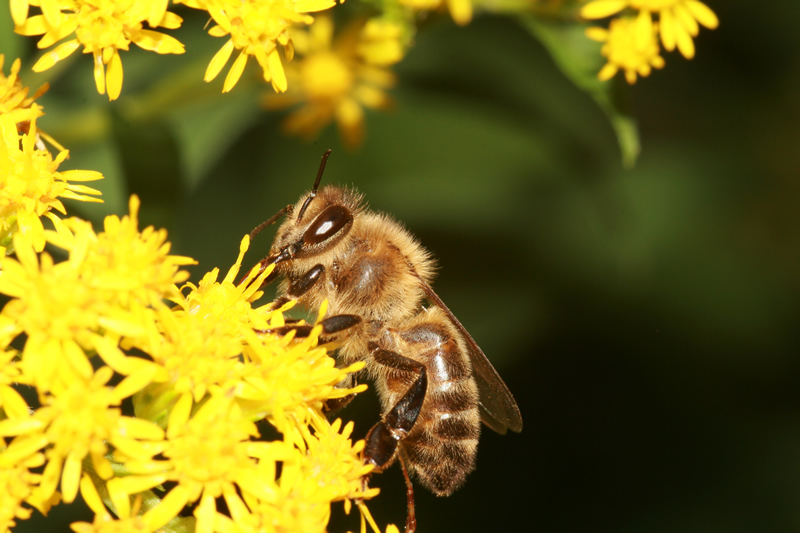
(327, 224)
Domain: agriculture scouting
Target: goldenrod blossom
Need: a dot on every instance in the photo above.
(337, 78)
(14, 97)
(31, 185)
(625, 51)
(256, 28)
(17, 485)
(677, 24)
(129, 521)
(79, 419)
(103, 28)
(89, 301)
(316, 469)
(194, 438)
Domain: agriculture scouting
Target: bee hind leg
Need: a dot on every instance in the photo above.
(383, 440)
(411, 516)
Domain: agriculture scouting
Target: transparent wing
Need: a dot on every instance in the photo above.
(499, 410)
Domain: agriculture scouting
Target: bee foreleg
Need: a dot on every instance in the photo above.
(332, 324)
(301, 285)
(384, 438)
(334, 404)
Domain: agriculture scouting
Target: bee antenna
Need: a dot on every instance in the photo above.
(316, 185)
(271, 220)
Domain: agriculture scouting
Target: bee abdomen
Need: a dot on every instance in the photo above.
(442, 447)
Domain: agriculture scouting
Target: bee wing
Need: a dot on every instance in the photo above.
(499, 410)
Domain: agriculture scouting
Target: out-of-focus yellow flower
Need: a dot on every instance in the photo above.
(31, 185)
(256, 28)
(14, 98)
(130, 520)
(677, 24)
(460, 10)
(17, 486)
(102, 27)
(336, 78)
(624, 49)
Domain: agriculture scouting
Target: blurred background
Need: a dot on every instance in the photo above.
(645, 318)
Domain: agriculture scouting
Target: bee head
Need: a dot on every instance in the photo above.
(316, 224)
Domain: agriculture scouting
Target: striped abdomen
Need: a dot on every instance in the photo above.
(441, 446)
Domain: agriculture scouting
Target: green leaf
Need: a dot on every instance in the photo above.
(579, 58)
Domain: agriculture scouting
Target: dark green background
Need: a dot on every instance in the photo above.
(645, 319)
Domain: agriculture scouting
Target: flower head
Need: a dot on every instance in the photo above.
(17, 486)
(89, 301)
(199, 377)
(103, 28)
(626, 50)
(677, 25)
(31, 185)
(14, 98)
(256, 29)
(336, 78)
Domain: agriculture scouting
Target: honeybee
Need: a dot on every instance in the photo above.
(435, 384)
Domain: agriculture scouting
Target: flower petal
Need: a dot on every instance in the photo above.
(218, 61)
(703, 14)
(54, 56)
(602, 8)
(114, 76)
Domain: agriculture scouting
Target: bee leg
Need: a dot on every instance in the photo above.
(411, 516)
(301, 285)
(334, 404)
(383, 440)
(385, 436)
(332, 324)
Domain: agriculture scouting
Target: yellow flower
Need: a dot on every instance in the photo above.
(199, 343)
(316, 469)
(103, 27)
(460, 10)
(337, 78)
(256, 28)
(79, 419)
(624, 50)
(30, 184)
(134, 267)
(130, 520)
(107, 298)
(678, 19)
(17, 485)
(208, 455)
(89, 301)
(14, 97)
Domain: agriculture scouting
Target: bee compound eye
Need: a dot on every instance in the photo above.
(327, 224)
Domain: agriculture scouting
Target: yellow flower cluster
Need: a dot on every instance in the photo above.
(146, 394)
(30, 183)
(102, 27)
(336, 78)
(631, 42)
